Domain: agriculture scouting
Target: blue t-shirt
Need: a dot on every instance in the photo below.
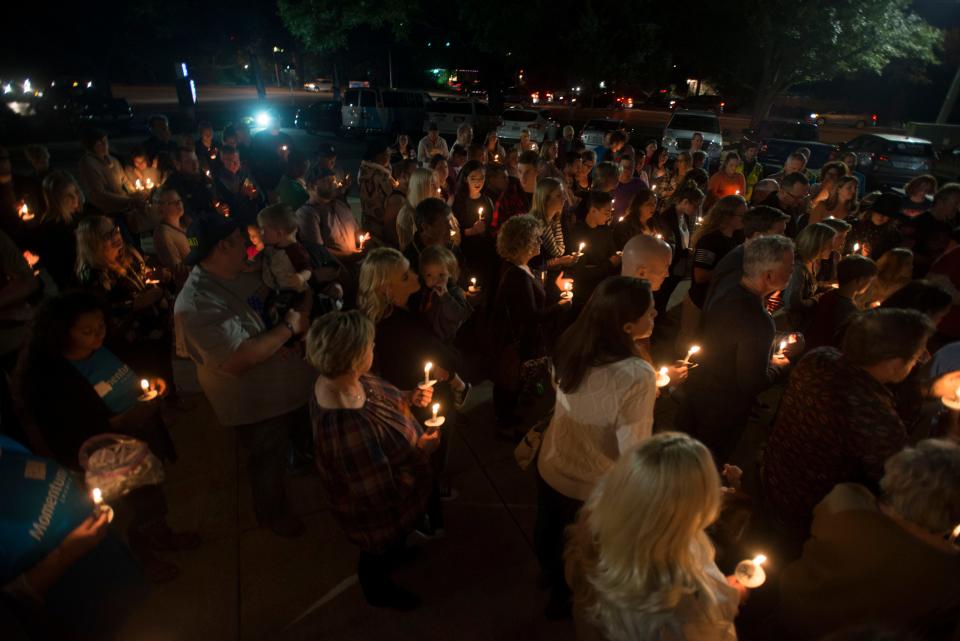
(112, 379)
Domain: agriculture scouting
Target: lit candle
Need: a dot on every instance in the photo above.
(856, 248)
(782, 346)
(31, 258)
(480, 214)
(738, 192)
(152, 281)
(439, 191)
(213, 156)
(496, 158)
(694, 349)
(138, 185)
(99, 506)
(282, 148)
(658, 236)
(567, 292)
(473, 289)
(654, 188)
(952, 403)
(149, 183)
(437, 420)
(955, 534)
(620, 220)
(426, 376)
(148, 394)
(208, 173)
(749, 572)
(25, 213)
(662, 378)
(580, 251)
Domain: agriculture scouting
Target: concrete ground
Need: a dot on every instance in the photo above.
(246, 583)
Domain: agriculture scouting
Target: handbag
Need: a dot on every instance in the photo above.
(526, 451)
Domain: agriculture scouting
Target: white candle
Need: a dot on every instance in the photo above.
(99, 506)
(437, 420)
(620, 220)
(473, 289)
(738, 192)
(480, 214)
(436, 410)
(654, 188)
(148, 394)
(662, 378)
(580, 251)
(750, 573)
(282, 148)
(658, 236)
(952, 403)
(426, 373)
(694, 349)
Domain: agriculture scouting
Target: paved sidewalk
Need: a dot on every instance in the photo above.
(245, 583)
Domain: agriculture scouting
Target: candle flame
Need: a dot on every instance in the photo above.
(760, 559)
(620, 220)
(138, 185)
(582, 245)
(428, 367)
(694, 349)
(738, 192)
(856, 247)
(97, 496)
(663, 371)
(283, 148)
(149, 184)
(473, 281)
(783, 345)
(955, 534)
(144, 384)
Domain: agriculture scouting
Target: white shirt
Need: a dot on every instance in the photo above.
(427, 149)
(610, 412)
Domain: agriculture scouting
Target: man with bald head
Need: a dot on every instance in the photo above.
(763, 190)
(647, 258)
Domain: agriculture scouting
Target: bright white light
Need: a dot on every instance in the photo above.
(183, 69)
(27, 87)
(90, 84)
(8, 88)
(246, 66)
(263, 119)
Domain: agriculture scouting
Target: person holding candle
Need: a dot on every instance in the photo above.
(604, 406)
(548, 203)
(877, 232)
(726, 182)
(677, 221)
(142, 168)
(639, 560)
(423, 185)
(326, 220)
(96, 393)
(895, 269)
(103, 179)
(841, 202)
(473, 210)
(853, 427)
(170, 236)
(597, 250)
(520, 314)
(494, 150)
(236, 188)
(740, 362)
(518, 198)
(54, 239)
(882, 557)
(432, 145)
(435, 225)
(814, 245)
(373, 456)
(375, 183)
(640, 218)
(855, 275)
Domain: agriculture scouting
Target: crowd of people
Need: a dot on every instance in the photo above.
(657, 305)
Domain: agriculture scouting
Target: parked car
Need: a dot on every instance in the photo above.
(887, 160)
(593, 132)
(704, 102)
(837, 119)
(537, 121)
(450, 113)
(684, 123)
(319, 84)
(779, 137)
(387, 111)
(323, 115)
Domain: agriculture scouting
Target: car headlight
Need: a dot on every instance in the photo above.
(263, 119)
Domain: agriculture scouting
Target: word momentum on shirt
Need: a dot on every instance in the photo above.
(40, 526)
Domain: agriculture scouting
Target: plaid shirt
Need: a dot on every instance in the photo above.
(836, 424)
(513, 202)
(376, 477)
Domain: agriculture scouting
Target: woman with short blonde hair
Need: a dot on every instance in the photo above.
(378, 268)
(423, 185)
(378, 500)
(639, 559)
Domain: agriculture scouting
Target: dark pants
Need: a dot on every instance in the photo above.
(505, 401)
(554, 513)
(374, 568)
(266, 444)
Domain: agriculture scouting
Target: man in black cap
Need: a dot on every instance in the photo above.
(253, 383)
(877, 231)
(326, 220)
(327, 157)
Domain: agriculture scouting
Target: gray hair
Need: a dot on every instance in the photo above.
(922, 484)
(765, 253)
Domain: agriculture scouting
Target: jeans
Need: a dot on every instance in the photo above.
(554, 513)
(266, 444)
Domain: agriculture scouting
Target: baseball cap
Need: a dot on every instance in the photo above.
(887, 204)
(204, 233)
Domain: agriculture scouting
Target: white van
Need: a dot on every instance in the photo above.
(387, 111)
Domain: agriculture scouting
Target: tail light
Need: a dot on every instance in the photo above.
(883, 158)
(874, 118)
(723, 104)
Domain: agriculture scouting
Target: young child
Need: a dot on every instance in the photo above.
(855, 275)
(286, 263)
(442, 303)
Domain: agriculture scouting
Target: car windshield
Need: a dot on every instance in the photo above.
(604, 125)
(909, 149)
(354, 98)
(688, 122)
(450, 107)
(517, 115)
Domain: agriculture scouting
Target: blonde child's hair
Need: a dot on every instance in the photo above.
(440, 255)
(279, 217)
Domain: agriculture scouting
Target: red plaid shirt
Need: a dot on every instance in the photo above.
(376, 477)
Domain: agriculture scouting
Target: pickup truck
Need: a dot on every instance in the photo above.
(778, 138)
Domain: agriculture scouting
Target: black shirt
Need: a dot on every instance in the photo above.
(708, 253)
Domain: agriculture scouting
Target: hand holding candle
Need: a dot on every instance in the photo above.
(750, 573)
(694, 349)
(480, 214)
(149, 393)
(426, 376)
(663, 379)
(25, 213)
(99, 507)
(473, 289)
(437, 420)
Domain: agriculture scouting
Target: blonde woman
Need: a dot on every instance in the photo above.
(639, 561)
(423, 185)
(841, 203)
(548, 200)
(55, 238)
(895, 269)
(404, 342)
(377, 500)
(814, 244)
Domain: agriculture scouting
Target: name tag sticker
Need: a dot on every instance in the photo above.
(35, 470)
(102, 388)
